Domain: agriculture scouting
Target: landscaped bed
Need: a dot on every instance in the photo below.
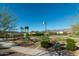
(44, 43)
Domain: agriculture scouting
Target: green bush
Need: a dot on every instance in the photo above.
(70, 40)
(45, 41)
(71, 45)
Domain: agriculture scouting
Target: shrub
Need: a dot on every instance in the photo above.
(45, 41)
(70, 40)
(71, 44)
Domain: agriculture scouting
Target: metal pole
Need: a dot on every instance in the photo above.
(45, 26)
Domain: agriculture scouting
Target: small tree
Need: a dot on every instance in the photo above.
(26, 36)
(7, 22)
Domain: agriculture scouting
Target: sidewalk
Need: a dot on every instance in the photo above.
(27, 50)
(76, 53)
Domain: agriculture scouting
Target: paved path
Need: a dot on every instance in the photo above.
(33, 52)
(27, 50)
(76, 53)
(7, 44)
(38, 52)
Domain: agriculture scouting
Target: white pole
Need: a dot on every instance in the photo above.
(45, 24)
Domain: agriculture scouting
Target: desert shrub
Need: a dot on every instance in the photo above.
(70, 40)
(71, 44)
(45, 41)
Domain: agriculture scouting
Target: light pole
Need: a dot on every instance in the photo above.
(45, 24)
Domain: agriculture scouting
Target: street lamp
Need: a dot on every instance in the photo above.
(45, 24)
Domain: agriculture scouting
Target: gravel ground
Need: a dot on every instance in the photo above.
(8, 52)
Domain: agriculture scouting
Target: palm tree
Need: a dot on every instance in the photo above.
(21, 29)
(26, 28)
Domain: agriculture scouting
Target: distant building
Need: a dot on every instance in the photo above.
(60, 32)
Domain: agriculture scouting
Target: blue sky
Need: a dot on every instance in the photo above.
(57, 16)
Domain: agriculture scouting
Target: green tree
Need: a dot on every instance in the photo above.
(26, 33)
(7, 21)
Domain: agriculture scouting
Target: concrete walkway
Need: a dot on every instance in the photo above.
(7, 44)
(27, 50)
(76, 53)
(38, 52)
